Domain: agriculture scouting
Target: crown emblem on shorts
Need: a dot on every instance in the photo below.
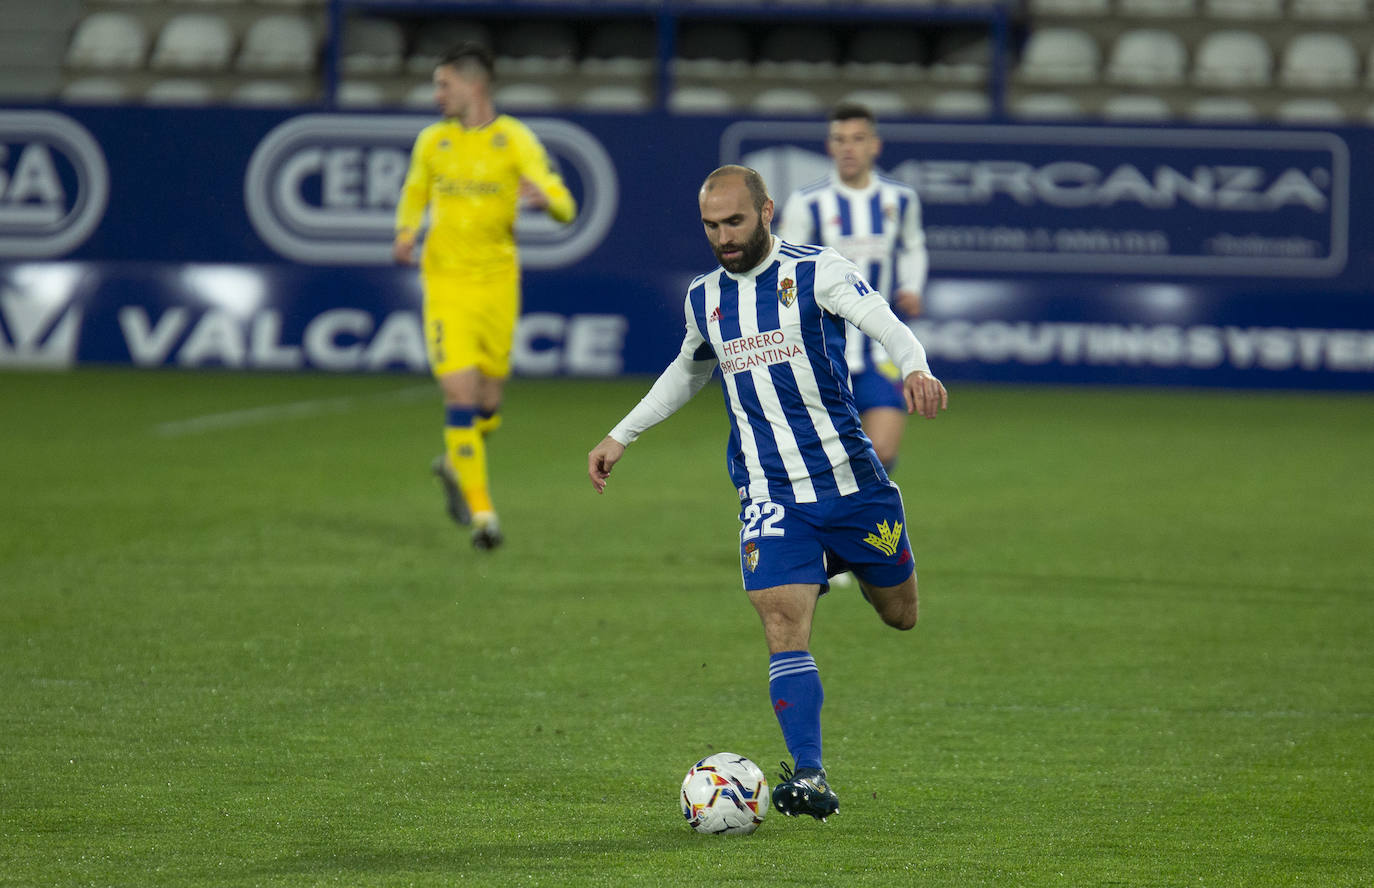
(787, 292)
(887, 539)
(751, 556)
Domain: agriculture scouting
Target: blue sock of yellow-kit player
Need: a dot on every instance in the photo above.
(794, 683)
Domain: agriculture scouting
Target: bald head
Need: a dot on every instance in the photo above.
(735, 175)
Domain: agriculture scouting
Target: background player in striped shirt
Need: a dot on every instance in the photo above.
(874, 222)
(814, 498)
(473, 170)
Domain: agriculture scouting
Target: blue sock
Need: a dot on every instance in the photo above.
(794, 683)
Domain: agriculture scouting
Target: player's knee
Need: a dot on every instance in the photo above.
(901, 615)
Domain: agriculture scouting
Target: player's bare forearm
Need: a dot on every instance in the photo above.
(403, 248)
(602, 459)
(908, 302)
(925, 394)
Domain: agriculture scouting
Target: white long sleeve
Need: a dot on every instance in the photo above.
(675, 386)
(848, 295)
(901, 344)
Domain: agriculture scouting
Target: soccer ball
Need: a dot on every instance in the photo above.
(725, 793)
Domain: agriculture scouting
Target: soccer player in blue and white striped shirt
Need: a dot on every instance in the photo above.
(874, 222)
(814, 498)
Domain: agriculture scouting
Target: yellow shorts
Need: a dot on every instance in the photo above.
(469, 323)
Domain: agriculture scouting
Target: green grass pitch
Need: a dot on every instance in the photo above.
(241, 645)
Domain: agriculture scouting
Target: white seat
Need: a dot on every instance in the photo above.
(1136, 107)
(372, 46)
(1070, 8)
(433, 41)
(1329, 10)
(95, 91)
(1157, 8)
(265, 94)
(1232, 59)
(622, 97)
(179, 91)
(882, 102)
(1047, 106)
(961, 58)
(359, 94)
(700, 100)
(193, 41)
(110, 41)
(537, 48)
(798, 52)
(1248, 10)
(787, 100)
(715, 50)
(1315, 61)
(525, 97)
(1060, 55)
(1148, 57)
(1310, 110)
(278, 42)
(1223, 109)
(961, 103)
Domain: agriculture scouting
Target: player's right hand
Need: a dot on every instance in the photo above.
(600, 461)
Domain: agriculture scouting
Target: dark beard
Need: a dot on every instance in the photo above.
(752, 254)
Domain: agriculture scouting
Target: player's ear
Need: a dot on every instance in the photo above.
(766, 214)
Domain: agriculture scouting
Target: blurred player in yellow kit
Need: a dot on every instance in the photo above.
(474, 170)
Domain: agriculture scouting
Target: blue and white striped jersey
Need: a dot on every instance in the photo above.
(878, 228)
(778, 333)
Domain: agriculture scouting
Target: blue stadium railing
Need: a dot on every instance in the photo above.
(667, 15)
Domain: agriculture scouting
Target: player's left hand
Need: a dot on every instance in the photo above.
(925, 394)
(531, 198)
(908, 303)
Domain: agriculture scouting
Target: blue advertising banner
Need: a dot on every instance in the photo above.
(260, 239)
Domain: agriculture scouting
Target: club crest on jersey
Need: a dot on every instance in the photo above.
(498, 140)
(887, 539)
(751, 556)
(787, 292)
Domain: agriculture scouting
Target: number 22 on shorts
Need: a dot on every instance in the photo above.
(762, 519)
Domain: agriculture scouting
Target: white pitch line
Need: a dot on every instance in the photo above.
(251, 416)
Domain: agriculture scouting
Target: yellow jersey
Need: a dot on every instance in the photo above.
(470, 180)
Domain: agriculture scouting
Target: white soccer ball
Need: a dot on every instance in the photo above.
(725, 794)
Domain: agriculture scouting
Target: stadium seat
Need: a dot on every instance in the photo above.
(266, 94)
(359, 94)
(536, 49)
(1059, 55)
(95, 91)
(1070, 8)
(372, 46)
(1330, 10)
(193, 41)
(700, 100)
(1136, 107)
(278, 42)
(179, 91)
(525, 97)
(110, 41)
(787, 100)
(882, 102)
(1232, 59)
(716, 50)
(1247, 10)
(1047, 106)
(798, 52)
(210, 2)
(622, 97)
(884, 55)
(621, 49)
(961, 103)
(1318, 61)
(1182, 9)
(433, 40)
(1310, 111)
(1223, 109)
(421, 95)
(1148, 57)
(961, 57)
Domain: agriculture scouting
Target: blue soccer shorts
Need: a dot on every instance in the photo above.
(782, 543)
